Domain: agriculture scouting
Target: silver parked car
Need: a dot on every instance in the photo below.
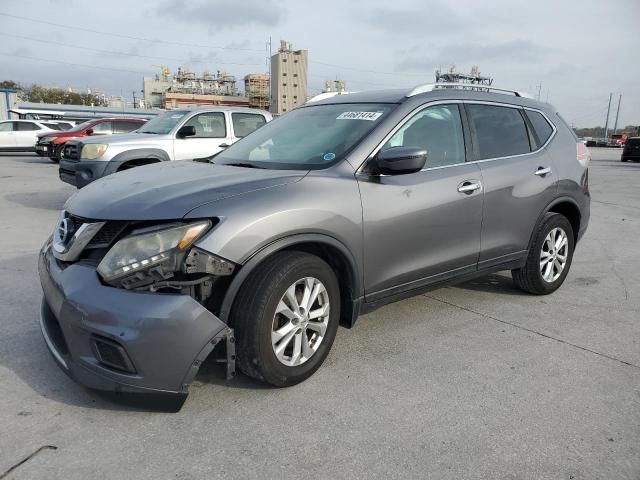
(174, 135)
(333, 210)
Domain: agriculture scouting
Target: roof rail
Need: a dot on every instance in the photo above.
(430, 87)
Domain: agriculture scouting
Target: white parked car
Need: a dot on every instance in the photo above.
(21, 135)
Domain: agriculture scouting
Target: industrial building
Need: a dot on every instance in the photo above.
(257, 88)
(453, 76)
(289, 78)
(186, 88)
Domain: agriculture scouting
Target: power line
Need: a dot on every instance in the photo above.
(110, 52)
(73, 64)
(168, 42)
(130, 37)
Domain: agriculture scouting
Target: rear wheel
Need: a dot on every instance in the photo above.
(623, 159)
(286, 317)
(549, 258)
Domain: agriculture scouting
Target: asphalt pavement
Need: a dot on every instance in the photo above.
(474, 381)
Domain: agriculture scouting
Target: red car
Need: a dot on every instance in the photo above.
(51, 144)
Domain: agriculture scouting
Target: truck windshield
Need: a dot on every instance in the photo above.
(308, 138)
(162, 124)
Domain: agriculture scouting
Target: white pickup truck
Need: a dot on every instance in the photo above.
(181, 134)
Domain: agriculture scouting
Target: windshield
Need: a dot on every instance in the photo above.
(81, 126)
(308, 138)
(162, 124)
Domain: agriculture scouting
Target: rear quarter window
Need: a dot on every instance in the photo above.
(541, 127)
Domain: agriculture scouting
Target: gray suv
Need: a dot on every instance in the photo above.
(333, 210)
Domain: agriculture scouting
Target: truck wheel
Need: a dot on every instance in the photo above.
(285, 318)
(549, 258)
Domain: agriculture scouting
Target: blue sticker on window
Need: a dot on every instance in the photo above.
(328, 157)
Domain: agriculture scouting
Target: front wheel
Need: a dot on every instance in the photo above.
(549, 257)
(286, 317)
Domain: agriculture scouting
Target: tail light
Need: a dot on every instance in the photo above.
(582, 154)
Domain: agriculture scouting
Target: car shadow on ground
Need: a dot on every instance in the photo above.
(47, 200)
(498, 283)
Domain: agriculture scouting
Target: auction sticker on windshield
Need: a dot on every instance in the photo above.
(371, 116)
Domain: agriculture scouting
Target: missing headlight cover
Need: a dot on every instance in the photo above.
(149, 256)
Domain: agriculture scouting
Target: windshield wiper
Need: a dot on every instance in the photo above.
(241, 164)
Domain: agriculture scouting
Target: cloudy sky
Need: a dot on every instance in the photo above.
(577, 50)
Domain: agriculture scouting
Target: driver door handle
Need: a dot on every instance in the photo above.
(469, 186)
(542, 171)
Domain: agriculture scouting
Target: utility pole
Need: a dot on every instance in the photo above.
(606, 122)
(615, 125)
(134, 99)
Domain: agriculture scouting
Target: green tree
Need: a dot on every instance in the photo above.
(9, 84)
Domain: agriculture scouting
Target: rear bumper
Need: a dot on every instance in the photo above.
(158, 341)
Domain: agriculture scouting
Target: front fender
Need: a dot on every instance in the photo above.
(281, 244)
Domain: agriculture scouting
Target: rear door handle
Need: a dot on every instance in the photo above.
(542, 171)
(469, 186)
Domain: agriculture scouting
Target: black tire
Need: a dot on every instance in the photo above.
(529, 278)
(57, 154)
(622, 159)
(253, 313)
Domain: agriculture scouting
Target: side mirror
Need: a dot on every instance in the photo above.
(186, 131)
(400, 160)
(90, 131)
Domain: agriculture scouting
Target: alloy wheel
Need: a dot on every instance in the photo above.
(553, 256)
(300, 321)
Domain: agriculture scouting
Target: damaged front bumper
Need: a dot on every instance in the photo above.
(122, 341)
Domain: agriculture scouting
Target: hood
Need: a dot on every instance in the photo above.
(122, 138)
(169, 190)
(60, 133)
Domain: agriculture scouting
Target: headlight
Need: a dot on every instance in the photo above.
(92, 151)
(158, 253)
(46, 139)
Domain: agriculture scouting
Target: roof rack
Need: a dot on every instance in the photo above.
(430, 87)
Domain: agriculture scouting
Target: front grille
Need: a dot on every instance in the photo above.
(112, 355)
(107, 234)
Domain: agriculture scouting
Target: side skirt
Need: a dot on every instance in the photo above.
(368, 307)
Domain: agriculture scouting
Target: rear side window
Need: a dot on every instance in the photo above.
(126, 127)
(633, 142)
(541, 126)
(500, 131)
(245, 123)
(6, 127)
(27, 126)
